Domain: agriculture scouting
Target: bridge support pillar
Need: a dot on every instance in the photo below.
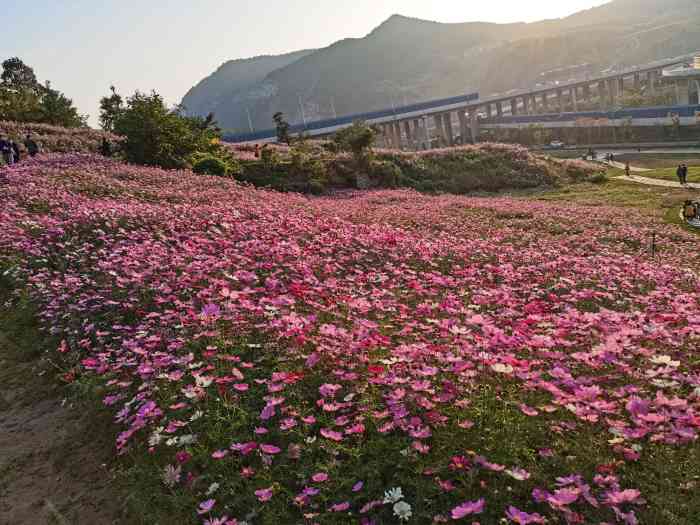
(397, 134)
(545, 102)
(499, 109)
(474, 123)
(407, 131)
(621, 86)
(637, 82)
(440, 129)
(463, 126)
(387, 136)
(612, 88)
(427, 143)
(587, 93)
(447, 120)
(574, 97)
(514, 106)
(489, 110)
(560, 101)
(683, 92)
(417, 139)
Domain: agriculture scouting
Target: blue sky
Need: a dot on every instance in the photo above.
(84, 46)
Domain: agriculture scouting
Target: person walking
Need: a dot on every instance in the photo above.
(31, 145)
(628, 170)
(685, 175)
(679, 174)
(15, 151)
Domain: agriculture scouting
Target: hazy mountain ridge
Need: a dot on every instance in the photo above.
(407, 59)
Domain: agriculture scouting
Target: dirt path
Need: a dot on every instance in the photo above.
(659, 182)
(53, 457)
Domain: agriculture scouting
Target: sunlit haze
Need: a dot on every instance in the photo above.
(84, 46)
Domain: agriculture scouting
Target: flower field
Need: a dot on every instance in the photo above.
(56, 139)
(373, 357)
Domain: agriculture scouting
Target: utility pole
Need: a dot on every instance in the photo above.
(250, 121)
(303, 116)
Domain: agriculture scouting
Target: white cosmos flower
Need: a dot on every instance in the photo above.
(212, 488)
(500, 368)
(402, 510)
(393, 495)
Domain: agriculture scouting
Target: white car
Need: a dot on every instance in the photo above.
(556, 144)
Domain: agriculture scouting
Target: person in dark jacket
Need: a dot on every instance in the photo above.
(685, 175)
(15, 151)
(679, 173)
(31, 145)
(106, 148)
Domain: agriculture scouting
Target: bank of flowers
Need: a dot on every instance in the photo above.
(371, 357)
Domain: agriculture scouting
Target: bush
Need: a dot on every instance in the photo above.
(210, 165)
(386, 173)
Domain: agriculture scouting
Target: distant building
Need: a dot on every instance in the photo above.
(687, 81)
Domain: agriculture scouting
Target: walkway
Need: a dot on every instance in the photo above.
(658, 182)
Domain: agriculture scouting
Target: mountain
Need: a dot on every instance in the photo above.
(406, 60)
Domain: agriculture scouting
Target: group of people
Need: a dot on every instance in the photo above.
(11, 153)
(682, 174)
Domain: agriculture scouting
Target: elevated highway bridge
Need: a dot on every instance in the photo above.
(461, 119)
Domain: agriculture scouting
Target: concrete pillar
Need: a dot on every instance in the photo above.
(611, 92)
(683, 92)
(651, 82)
(397, 135)
(426, 132)
(463, 126)
(637, 82)
(545, 102)
(514, 106)
(474, 117)
(447, 119)
(587, 93)
(417, 139)
(439, 127)
(620, 86)
(499, 109)
(560, 101)
(407, 131)
(489, 110)
(574, 97)
(387, 133)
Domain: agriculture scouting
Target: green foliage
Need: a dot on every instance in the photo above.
(357, 139)
(386, 173)
(110, 109)
(210, 165)
(24, 99)
(158, 136)
(282, 128)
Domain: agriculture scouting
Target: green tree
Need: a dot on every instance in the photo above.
(358, 140)
(110, 109)
(282, 128)
(17, 76)
(57, 109)
(158, 136)
(23, 99)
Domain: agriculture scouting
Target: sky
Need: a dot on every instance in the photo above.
(84, 46)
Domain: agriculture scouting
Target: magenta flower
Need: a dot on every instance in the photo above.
(467, 508)
(522, 518)
(264, 495)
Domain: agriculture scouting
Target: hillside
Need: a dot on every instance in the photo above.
(405, 60)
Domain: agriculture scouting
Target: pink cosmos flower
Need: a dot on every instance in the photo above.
(320, 477)
(523, 518)
(467, 508)
(206, 506)
(270, 449)
(264, 495)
